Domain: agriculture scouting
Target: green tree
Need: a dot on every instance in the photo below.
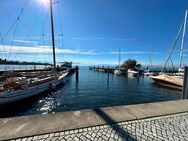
(130, 64)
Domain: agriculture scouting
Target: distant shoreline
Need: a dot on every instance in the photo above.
(5, 62)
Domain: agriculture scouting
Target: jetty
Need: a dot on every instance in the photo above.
(102, 69)
(150, 121)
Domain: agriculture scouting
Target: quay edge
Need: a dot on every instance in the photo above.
(25, 126)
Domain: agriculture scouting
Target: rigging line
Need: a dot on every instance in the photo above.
(43, 30)
(172, 65)
(27, 36)
(43, 27)
(37, 50)
(60, 26)
(19, 15)
(1, 38)
(173, 46)
(12, 40)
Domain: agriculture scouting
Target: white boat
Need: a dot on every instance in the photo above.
(132, 72)
(118, 72)
(148, 73)
(169, 81)
(17, 95)
(64, 66)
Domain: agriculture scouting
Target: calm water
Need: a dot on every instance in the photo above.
(93, 90)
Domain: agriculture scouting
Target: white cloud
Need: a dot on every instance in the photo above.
(27, 42)
(135, 52)
(44, 49)
(85, 38)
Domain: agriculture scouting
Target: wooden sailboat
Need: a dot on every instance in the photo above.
(19, 88)
(171, 81)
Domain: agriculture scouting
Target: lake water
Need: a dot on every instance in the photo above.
(94, 90)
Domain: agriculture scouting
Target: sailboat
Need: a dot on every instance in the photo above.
(148, 72)
(19, 88)
(118, 71)
(173, 81)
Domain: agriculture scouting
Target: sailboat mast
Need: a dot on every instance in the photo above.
(52, 30)
(183, 36)
(150, 61)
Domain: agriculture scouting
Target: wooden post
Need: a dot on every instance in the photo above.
(77, 73)
(185, 84)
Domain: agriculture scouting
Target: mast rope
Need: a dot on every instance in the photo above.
(60, 27)
(30, 31)
(1, 38)
(173, 46)
(42, 34)
(14, 34)
(15, 22)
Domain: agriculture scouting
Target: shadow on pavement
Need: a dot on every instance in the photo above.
(123, 134)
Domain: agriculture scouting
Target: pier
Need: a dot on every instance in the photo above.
(151, 121)
(141, 72)
(102, 69)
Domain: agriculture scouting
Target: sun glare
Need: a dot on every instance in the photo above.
(44, 2)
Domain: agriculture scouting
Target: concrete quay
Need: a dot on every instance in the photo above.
(152, 121)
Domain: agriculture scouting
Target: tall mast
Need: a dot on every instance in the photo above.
(53, 41)
(183, 36)
(150, 61)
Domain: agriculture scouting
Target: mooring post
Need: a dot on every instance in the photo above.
(77, 73)
(185, 84)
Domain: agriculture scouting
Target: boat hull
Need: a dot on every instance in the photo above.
(10, 97)
(166, 82)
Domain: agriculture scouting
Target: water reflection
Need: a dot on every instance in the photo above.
(93, 90)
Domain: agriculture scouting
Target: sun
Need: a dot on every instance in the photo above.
(44, 2)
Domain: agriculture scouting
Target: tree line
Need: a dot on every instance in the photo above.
(4, 61)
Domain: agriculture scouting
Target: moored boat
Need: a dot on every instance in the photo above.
(16, 88)
(173, 81)
(169, 81)
(15, 91)
(132, 72)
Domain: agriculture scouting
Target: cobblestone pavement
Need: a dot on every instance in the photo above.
(172, 128)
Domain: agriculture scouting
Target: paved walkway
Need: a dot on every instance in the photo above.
(172, 127)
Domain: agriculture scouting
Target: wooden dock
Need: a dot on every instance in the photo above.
(102, 69)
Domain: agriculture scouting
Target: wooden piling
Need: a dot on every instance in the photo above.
(185, 84)
(77, 73)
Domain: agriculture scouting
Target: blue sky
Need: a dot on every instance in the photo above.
(93, 30)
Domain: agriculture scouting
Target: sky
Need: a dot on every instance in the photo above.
(90, 32)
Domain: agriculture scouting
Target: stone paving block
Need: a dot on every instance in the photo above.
(171, 128)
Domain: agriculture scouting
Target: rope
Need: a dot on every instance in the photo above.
(42, 33)
(60, 27)
(30, 31)
(1, 38)
(14, 34)
(15, 22)
(173, 46)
